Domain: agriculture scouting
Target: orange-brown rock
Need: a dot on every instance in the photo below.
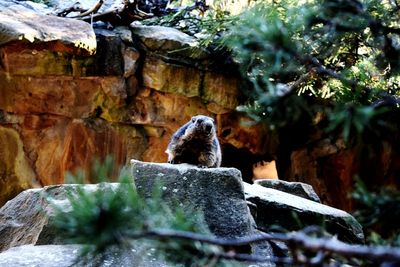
(171, 78)
(88, 140)
(65, 96)
(242, 132)
(65, 107)
(222, 92)
(160, 109)
(16, 174)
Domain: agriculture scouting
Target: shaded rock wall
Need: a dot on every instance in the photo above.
(61, 107)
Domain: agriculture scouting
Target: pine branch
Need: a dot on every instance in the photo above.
(298, 240)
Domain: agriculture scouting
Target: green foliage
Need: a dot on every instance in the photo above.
(112, 217)
(46, 2)
(379, 213)
(205, 24)
(100, 217)
(306, 58)
(322, 69)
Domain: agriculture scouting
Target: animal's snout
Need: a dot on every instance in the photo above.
(208, 127)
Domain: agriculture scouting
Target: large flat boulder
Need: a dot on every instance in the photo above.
(168, 41)
(290, 212)
(18, 23)
(295, 188)
(25, 219)
(67, 255)
(217, 192)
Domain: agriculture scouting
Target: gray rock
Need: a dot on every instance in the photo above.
(44, 256)
(22, 219)
(141, 255)
(25, 218)
(18, 23)
(218, 192)
(169, 41)
(109, 60)
(33, 6)
(276, 208)
(295, 188)
(66, 256)
(131, 57)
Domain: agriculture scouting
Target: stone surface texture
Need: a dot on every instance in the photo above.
(62, 105)
(290, 212)
(70, 94)
(18, 23)
(25, 219)
(294, 188)
(66, 255)
(218, 193)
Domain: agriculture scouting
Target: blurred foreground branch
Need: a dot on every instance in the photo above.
(298, 240)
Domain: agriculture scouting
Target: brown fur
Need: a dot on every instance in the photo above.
(196, 143)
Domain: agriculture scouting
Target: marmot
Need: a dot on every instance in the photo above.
(196, 143)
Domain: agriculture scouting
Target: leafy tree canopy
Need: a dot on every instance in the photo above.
(329, 64)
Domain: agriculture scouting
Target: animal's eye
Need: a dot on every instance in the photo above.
(193, 119)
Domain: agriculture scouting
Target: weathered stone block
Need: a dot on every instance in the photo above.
(151, 107)
(168, 41)
(222, 90)
(131, 56)
(55, 144)
(171, 78)
(217, 192)
(22, 59)
(67, 255)
(61, 95)
(278, 208)
(18, 23)
(295, 188)
(108, 60)
(25, 219)
(16, 174)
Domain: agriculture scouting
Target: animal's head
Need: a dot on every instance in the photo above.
(203, 124)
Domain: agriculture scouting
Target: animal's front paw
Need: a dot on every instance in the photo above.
(202, 166)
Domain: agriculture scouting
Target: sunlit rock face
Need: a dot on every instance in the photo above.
(70, 94)
(18, 23)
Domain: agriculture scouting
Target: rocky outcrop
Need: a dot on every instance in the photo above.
(67, 106)
(218, 193)
(25, 218)
(205, 188)
(46, 256)
(292, 213)
(16, 25)
(330, 168)
(295, 188)
(66, 256)
(14, 165)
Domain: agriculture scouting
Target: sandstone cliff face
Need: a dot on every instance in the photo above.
(65, 102)
(69, 95)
